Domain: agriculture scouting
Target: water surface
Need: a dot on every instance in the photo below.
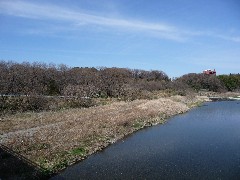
(201, 144)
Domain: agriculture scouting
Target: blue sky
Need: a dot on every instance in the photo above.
(175, 36)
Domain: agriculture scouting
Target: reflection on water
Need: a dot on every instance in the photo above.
(201, 144)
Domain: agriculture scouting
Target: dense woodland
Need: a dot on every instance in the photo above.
(42, 79)
(39, 80)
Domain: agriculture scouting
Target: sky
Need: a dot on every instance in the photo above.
(174, 36)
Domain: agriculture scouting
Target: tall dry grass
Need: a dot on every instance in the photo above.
(58, 138)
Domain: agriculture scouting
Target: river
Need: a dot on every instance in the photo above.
(201, 144)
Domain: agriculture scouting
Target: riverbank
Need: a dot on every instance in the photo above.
(228, 96)
(55, 140)
(184, 148)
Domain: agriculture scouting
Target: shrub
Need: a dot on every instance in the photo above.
(78, 102)
(13, 104)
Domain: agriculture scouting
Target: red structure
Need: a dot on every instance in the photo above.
(209, 71)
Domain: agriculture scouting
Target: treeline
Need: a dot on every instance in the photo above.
(42, 79)
(220, 83)
(33, 87)
(201, 81)
(231, 82)
(34, 83)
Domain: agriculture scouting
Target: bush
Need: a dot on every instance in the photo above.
(36, 103)
(78, 102)
(22, 103)
(11, 105)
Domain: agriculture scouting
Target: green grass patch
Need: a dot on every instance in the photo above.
(138, 125)
(78, 151)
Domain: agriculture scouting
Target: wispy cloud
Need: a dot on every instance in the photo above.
(229, 38)
(78, 19)
(51, 12)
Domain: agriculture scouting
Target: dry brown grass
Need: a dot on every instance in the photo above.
(56, 139)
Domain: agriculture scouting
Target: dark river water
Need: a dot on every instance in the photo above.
(201, 144)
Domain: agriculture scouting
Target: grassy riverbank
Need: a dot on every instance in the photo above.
(57, 139)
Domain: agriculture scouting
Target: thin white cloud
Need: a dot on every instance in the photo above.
(51, 12)
(234, 39)
(78, 19)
